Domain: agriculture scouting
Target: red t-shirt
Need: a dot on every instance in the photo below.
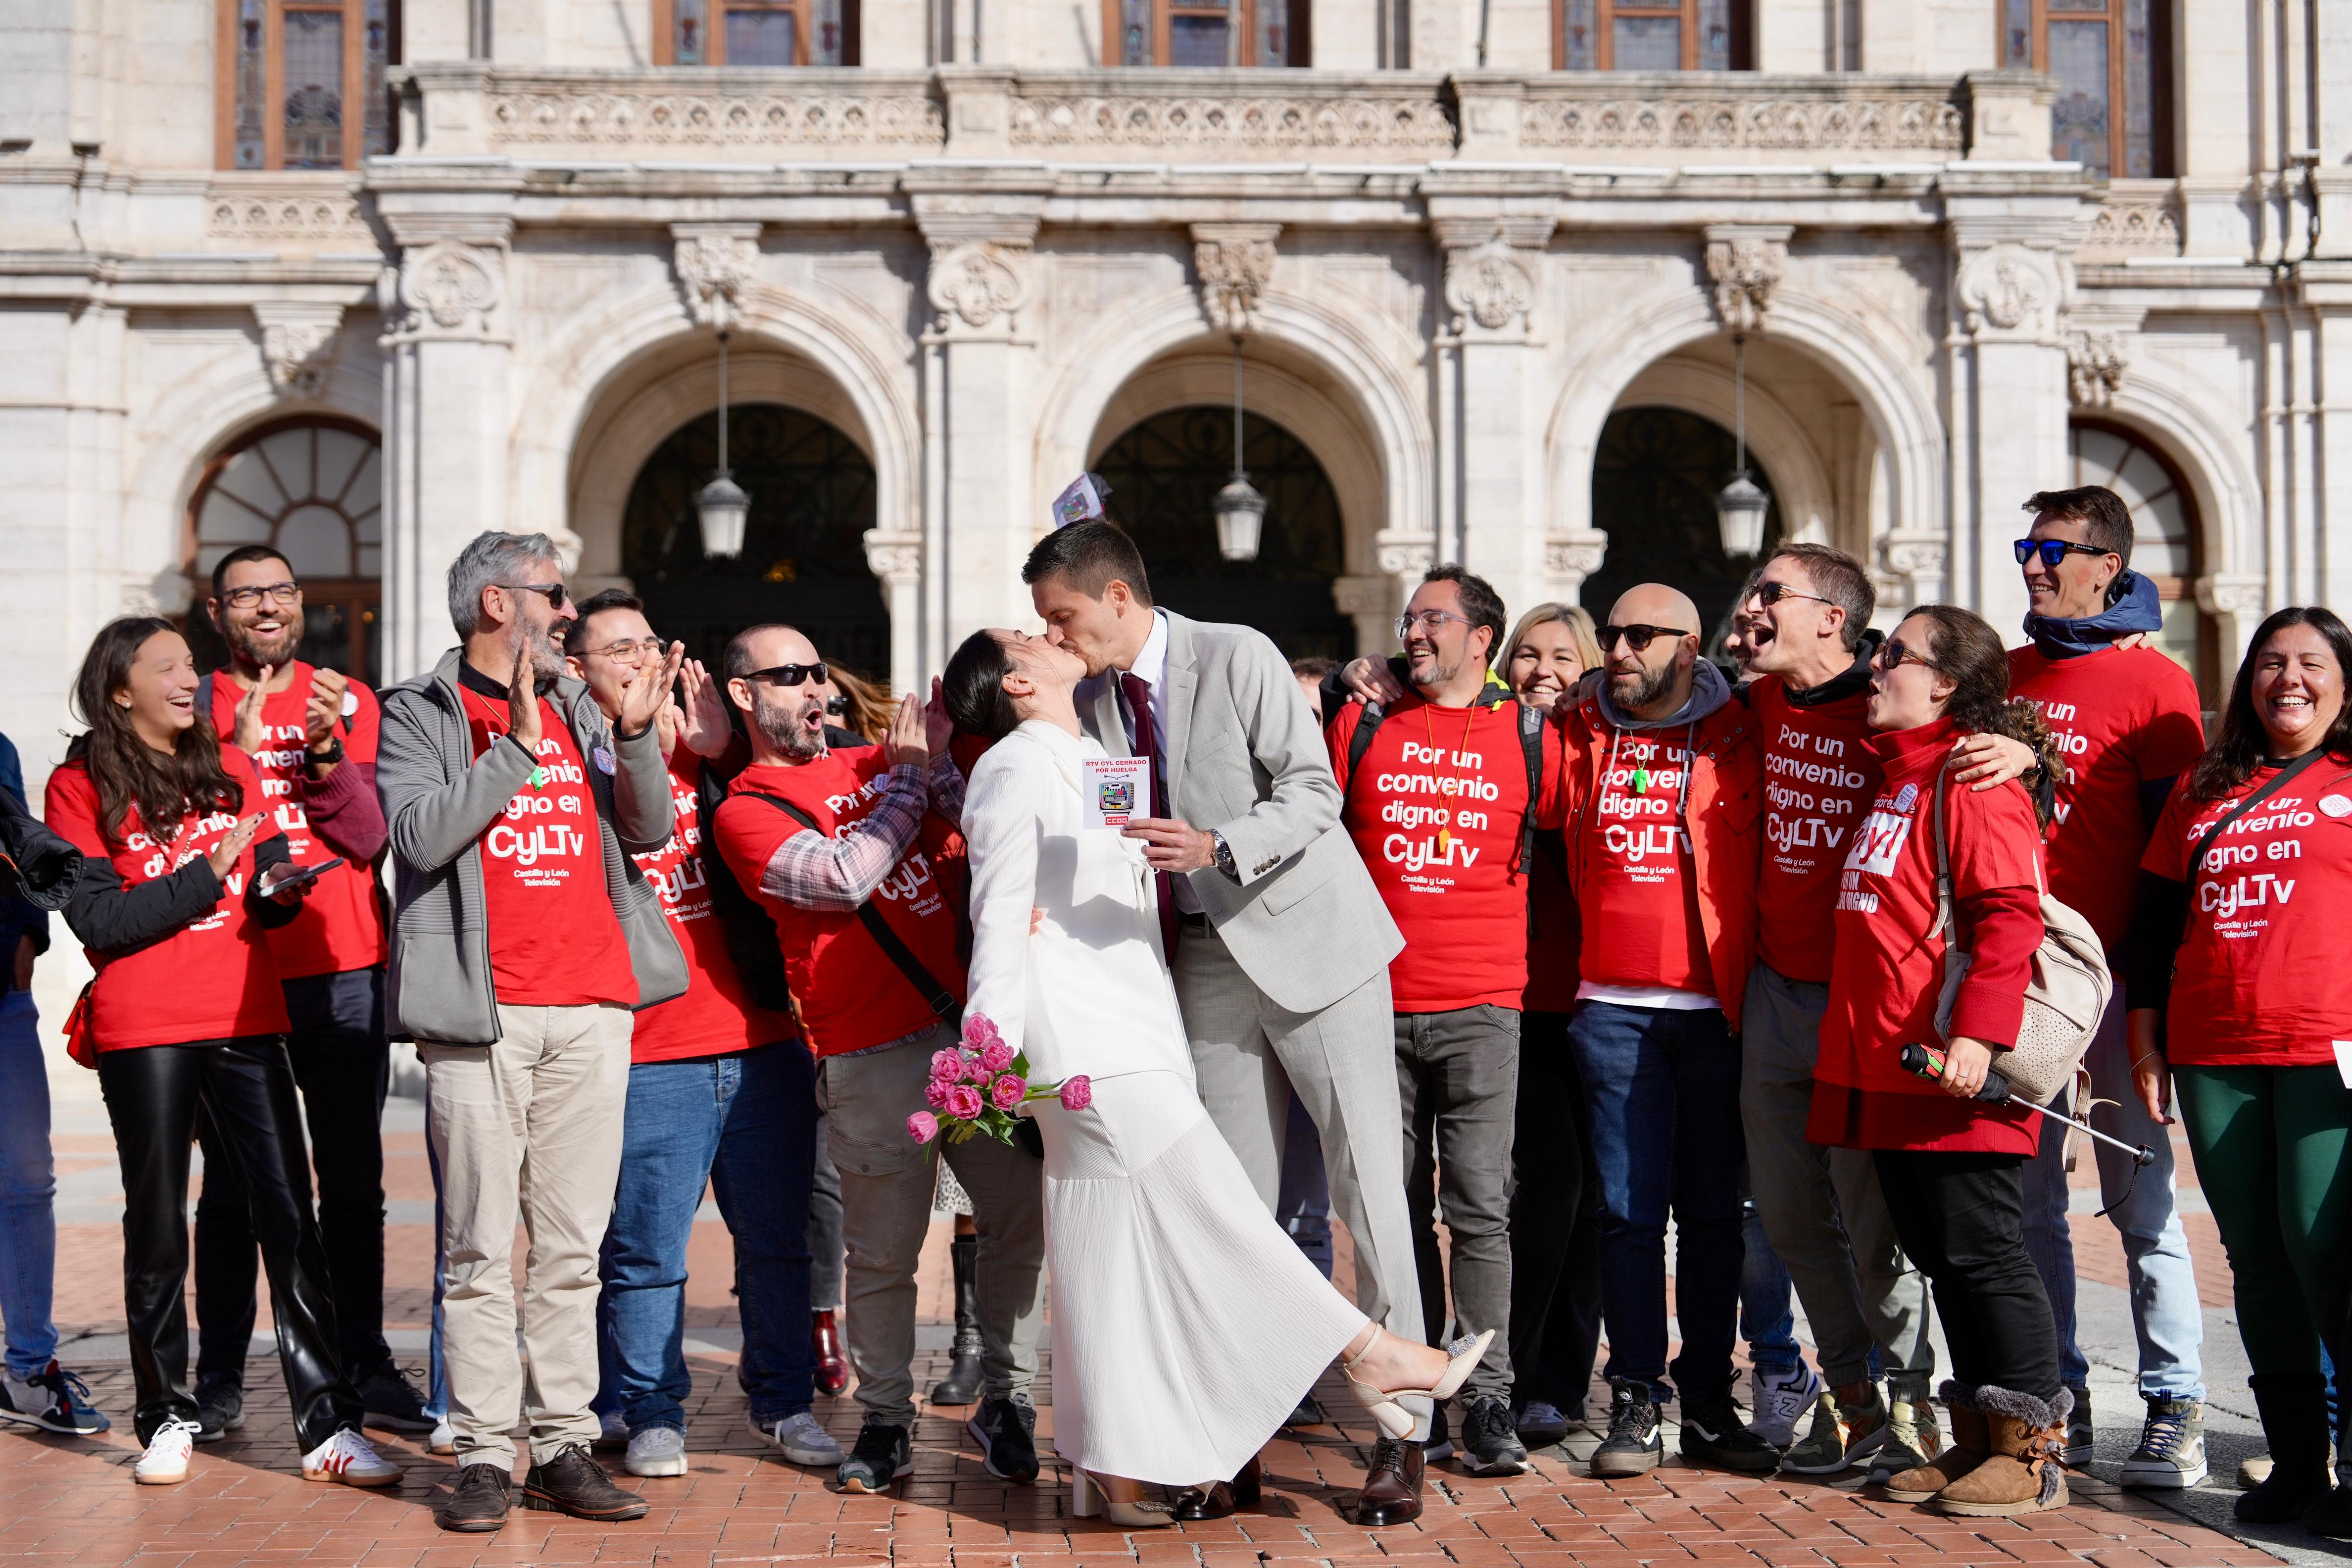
(1437, 817)
(850, 994)
(2124, 718)
(212, 979)
(555, 940)
(1889, 970)
(716, 1015)
(1636, 882)
(1819, 780)
(1553, 930)
(341, 925)
(2261, 979)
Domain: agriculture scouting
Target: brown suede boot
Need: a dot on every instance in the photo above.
(1970, 1447)
(2024, 1474)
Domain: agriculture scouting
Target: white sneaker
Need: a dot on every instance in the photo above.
(444, 1439)
(166, 1462)
(802, 1440)
(1780, 1401)
(656, 1451)
(350, 1459)
(612, 1430)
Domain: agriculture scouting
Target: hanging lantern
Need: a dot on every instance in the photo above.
(721, 505)
(1241, 510)
(1739, 506)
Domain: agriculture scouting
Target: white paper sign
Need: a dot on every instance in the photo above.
(1116, 789)
(2343, 1061)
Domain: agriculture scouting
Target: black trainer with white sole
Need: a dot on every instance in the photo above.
(1634, 1445)
(220, 1410)
(1490, 1441)
(879, 1458)
(1005, 1427)
(1714, 1434)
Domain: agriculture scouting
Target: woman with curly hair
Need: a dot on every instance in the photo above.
(1952, 1167)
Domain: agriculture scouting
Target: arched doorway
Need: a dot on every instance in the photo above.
(804, 556)
(1165, 473)
(1655, 477)
(2166, 539)
(313, 489)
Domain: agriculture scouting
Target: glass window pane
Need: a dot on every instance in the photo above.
(2139, 93)
(1134, 33)
(246, 477)
(377, 131)
(1646, 43)
(1715, 35)
(1274, 32)
(289, 455)
(317, 542)
(2017, 34)
(2078, 59)
(226, 524)
(340, 454)
(371, 560)
(760, 38)
(1578, 27)
(2178, 638)
(689, 38)
(2098, 453)
(252, 23)
(313, 64)
(1196, 40)
(825, 23)
(2098, 7)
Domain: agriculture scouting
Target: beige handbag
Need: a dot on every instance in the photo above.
(2064, 999)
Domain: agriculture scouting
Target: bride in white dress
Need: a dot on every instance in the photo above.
(1186, 1323)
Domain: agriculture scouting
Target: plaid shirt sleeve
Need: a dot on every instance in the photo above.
(810, 871)
(947, 788)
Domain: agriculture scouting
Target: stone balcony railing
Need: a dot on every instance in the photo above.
(856, 116)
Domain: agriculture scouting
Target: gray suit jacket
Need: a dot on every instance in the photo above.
(1244, 759)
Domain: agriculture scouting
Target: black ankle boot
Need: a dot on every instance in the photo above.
(2294, 1419)
(962, 1385)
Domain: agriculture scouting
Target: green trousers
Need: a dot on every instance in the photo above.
(2270, 1146)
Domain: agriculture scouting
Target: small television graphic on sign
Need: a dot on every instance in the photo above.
(1112, 787)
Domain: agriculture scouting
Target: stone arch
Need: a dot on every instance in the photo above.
(1776, 439)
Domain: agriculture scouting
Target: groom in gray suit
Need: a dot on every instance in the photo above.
(1280, 942)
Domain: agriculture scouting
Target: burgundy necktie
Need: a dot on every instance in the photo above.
(1147, 746)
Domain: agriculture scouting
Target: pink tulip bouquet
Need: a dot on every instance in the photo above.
(977, 1087)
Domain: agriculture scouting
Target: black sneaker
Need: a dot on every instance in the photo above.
(1714, 1434)
(479, 1501)
(220, 1410)
(393, 1404)
(1490, 1444)
(1306, 1414)
(53, 1399)
(881, 1457)
(574, 1483)
(1005, 1427)
(1633, 1447)
(1541, 1423)
(1440, 1445)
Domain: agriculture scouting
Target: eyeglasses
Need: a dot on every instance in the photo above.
(276, 593)
(791, 674)
(629, 652)
(1638, 637)
(1893, 656)
(2053, 551)
(554, 591)
(1771, 594)
(1434, 620)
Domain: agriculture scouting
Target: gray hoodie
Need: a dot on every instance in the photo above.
(1709, 691)
(438, 801)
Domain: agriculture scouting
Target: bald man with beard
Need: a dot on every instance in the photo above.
(1664, 796)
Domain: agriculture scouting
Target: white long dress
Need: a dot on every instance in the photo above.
(1186, 1323)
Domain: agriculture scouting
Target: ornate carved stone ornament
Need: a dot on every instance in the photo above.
(608, 114)
(1407, 557)
(1575, 556)
(1491, 284)
(715, 263)
(1408, 121)
(1598, 112)
(278, 209)
(297, 343)
(2097, 362)
(2009, 289)
(1235, 264)
(1746, 262)
(893, 556)
(977, 281)
(2230, 594)
(448, 289)
(1921, 562)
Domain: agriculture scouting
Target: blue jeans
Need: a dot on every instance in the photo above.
(436, 1393)
(28, 1218)
(1303, 1205)
(1767, 1314)
(2167, 1315)
(1662, 1089)
(745, 1125)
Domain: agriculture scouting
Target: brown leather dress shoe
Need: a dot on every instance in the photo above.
(1391, 1493)
(478, 1501)
(574, 1483)
(1220, 1498)
(831, 1361)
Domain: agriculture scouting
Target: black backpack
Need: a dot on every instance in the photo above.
(1531, 723)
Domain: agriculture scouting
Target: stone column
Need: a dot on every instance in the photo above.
(1493, 514)
(445, 423)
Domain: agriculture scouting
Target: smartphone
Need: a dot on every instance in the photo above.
(302, 876)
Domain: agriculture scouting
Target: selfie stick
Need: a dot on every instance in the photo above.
(1922, 1062)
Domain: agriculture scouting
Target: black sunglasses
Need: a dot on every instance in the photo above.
(554, 591)
(1771, 594)
(2053, 551)
(1639, 637)
(791, 674)
(1893, 656)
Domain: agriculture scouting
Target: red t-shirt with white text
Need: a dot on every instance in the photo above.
(212, 979)
(2124, 717)
(341, 925)
(555, 940)
(2260, 978)
(1437, 817)
(716, 1015)
(1636, 879)
(1819, 780)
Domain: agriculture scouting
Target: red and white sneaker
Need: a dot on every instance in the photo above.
(347, 1457)
(166, 1462)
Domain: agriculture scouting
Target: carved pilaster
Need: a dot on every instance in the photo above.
(1569, 558)
(2097, 363)
(448, 289)
(1746, 261)
(1235, 264)
(298, 342)
(893, 556)
(715, 263)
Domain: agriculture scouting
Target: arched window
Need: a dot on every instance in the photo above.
(301, 83)
(756, 32)
(1652, 35)
(2167, 544)
(313, 489)
(2113, 59)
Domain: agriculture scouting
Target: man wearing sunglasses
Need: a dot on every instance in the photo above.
(855, 854)
(1664, 798)
(522, 940)
(2128, 719)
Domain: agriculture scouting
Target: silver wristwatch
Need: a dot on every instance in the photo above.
(1225, 856)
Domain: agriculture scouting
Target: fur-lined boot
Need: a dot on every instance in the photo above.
(1970, 1447)
(2026, 1474)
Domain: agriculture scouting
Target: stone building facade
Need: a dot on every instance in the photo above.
(364, 277)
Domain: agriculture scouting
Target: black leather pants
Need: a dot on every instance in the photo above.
(247, 1088)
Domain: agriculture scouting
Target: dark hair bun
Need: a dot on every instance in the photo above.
(974, 688)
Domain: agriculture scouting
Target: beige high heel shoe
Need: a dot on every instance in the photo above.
(1089, 1500)
(1393, 1417)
